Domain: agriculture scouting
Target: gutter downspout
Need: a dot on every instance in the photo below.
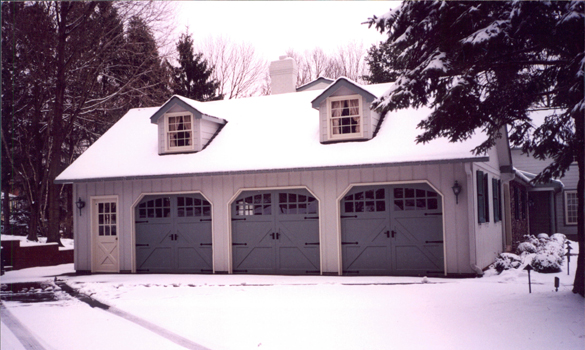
(471, 221)
(507, 177)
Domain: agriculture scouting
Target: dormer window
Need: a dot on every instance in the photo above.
(345, 117)
(179, 132)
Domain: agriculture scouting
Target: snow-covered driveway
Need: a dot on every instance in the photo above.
(278, 312)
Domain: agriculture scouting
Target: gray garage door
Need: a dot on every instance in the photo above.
(392, 230)
(275, 232)
(173, 234)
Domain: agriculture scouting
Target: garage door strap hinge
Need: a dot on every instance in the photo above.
(311, 243)
(311, 218)
(346, 243)
(348, 216)
(426, 214)
(238, 219)
(141, 245)
(204, 243)
(204, 219)
(239, 243)
(141, 221)
(434, 242)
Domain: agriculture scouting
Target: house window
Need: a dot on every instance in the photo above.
(571, 207)
(483, 204)
(345, 117)
(179, 132)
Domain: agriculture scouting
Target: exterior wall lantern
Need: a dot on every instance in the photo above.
(456, 190)
(80, 205)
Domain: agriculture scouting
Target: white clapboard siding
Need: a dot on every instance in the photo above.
(328, 186)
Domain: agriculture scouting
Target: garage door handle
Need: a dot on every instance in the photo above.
(239, 243)
(346, 243)
(204, 243)
(311, 243)
(434, 242)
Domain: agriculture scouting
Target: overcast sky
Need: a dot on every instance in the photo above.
(274, 27)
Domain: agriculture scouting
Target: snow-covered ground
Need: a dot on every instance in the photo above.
(309, 312)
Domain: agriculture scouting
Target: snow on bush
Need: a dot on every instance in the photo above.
(507, 261)
(545, 254)
(526, 247)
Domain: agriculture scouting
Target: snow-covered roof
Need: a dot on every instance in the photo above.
(552, 185)
(267, 133)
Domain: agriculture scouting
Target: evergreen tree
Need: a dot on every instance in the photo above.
(193, 78)
(488, 65)
(69, 71)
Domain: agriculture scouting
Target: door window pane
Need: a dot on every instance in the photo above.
(107, 219)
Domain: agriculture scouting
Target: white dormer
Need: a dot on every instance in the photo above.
(344, 113)
(182, 128)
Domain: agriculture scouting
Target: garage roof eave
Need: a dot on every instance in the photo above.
(238, 172)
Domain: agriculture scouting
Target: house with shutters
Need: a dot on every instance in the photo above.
(304, 181)
(545, 207)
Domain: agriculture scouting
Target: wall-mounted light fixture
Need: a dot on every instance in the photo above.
(80, 205)
(456, 190)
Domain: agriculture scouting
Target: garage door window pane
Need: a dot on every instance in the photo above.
(422, 200)
(366, 201)
(252, 205)
(154, 208)
(398, 193)
(292, 204)
(432, 203)
(192, 207)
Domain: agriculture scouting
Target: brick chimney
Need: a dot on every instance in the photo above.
(283, 75)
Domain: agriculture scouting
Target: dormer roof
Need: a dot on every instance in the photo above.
(341, 83)
(195, 107)
(319, 83)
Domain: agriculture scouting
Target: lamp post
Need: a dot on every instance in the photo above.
(456, 190)
(80, 205)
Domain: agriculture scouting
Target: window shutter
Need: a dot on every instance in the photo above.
(486, 198)
(480, 200)
(516, 203)
(496, 199)
(500, 199)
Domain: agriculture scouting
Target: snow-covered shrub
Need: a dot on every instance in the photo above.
(547, 263)
(559, 237)
(525, 247)
(506, 261)
(545, 254)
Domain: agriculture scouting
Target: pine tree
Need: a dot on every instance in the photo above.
(488, 65)
(193, 78)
